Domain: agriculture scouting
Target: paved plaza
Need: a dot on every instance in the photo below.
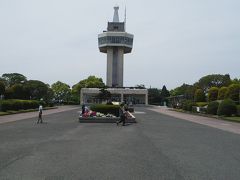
(159, 146)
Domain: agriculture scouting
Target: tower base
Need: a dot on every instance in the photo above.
(127, 95)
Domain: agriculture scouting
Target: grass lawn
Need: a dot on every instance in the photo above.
(3, 113)
(23, 111)
(233, 118)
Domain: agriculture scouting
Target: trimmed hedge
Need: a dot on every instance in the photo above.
(15, 104)
(238, 110)
(227, 108)
(105, 109)
(213, 107)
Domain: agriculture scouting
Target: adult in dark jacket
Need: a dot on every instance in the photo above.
(122, 115)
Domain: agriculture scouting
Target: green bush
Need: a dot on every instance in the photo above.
(233, 92)
(226, 108)
(188, 105)
(213, 94)
(199, 96)
(238, 110)
(105, 109)
(222, 93)
(212, 107)
(15, 104)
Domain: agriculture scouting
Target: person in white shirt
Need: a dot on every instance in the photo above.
(40, 109)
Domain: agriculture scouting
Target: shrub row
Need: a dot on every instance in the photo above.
(226, 108)
(213, 108)
(15, 105)
(105, 109)
(238, 110)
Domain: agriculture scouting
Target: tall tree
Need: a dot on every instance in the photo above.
(164, 92)
(2, 88)
(154, 96)
(61, 91)
(36, 89)
(186, 90)
(216, 80)
(13, 78)
(90, 82)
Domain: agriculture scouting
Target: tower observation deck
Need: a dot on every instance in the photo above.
(115, 42)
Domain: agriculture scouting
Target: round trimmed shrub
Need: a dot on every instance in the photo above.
(213, 107)
(222, 93)
(226, 108)
(213, 94)
(199, 96)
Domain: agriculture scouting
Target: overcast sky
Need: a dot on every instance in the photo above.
(175, 41)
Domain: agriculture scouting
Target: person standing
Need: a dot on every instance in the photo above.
(40, 109)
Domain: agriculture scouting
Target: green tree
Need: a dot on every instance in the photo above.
(19, 91)
(185, 89)
(216, 80)
(199, 96)
(61, 91)
(233, 92)
(213, 94)
(36, 89)
(104, 94)
(90, 82)
(164, 92)
(222, 93)
(13, 78)
(2, 88)
(236, 81)
(154, 96)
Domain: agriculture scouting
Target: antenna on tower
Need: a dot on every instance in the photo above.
(115, 16)
(125, 18)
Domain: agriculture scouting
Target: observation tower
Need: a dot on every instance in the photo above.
(115, 42)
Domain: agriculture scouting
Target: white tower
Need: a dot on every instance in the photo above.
(115, 42)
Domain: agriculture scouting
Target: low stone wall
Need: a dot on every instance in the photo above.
(131, 119)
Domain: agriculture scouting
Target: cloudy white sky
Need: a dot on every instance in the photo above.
(175, 41)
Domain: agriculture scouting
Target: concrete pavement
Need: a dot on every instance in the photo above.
(21, 116)
(157, 147)
(233, 127)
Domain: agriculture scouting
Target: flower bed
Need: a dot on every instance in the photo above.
(96, 117)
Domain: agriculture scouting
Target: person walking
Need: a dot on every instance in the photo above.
(40, 109)
(83, 109)
(122, 115)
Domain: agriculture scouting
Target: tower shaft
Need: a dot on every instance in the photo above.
(115, 66)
